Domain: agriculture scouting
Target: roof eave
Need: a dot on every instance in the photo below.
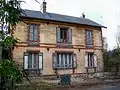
(61, 21)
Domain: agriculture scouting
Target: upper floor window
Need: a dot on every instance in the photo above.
(64, 35)
(89, 38)
(33, 32)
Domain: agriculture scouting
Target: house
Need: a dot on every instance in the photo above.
(55, 44)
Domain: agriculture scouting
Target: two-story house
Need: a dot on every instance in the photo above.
(55, 44)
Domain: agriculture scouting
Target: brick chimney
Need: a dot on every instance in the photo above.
(44, 6)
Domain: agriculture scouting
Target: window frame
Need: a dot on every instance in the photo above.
(87, 39)
(34, 25)
(65, 66)
(34, 52)
(65, 29)
(90, 60)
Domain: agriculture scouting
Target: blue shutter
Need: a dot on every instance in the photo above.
(54, 61)
(58, 34)
(70, 36)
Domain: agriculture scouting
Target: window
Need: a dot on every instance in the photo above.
(64, 35)
(64, 60)
(33, 32)
(90, 60)
(33, 60)
(89, 38)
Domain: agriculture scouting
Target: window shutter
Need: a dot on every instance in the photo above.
(40, 60)
(70, 36)
(54, 60)
(95, 60)
(86, 60)
(36, 32)
(25, 60)
(74, 61)
(58, 34)
(31, 32)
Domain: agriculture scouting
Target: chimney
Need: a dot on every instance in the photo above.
(44, 6)
(83, 15)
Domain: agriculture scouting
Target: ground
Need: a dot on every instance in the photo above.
(98, 87)
(113, 86)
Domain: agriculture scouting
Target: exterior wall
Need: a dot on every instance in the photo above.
(48, 40)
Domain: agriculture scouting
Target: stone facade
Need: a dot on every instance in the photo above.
(47, 41)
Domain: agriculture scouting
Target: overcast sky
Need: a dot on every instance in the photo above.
(106, 12)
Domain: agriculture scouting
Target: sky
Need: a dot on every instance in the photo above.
(105, 12)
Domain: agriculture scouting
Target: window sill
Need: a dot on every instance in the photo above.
(64, 45)
(89, 46)
(32, 72)
(67, 68)
(90, 67)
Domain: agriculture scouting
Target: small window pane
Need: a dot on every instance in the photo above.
(35, 35)
(36, 61)
(89, 38)
(30, 60)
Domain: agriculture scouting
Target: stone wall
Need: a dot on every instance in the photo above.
(48, 40)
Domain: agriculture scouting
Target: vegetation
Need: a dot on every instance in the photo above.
(10, 12)
(112, 60)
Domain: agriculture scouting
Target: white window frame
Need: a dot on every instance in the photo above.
(87, 60)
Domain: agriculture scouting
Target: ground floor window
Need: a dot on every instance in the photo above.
(64, 60)
(90, 60)
(33, 60)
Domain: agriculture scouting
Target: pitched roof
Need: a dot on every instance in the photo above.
(58, 17)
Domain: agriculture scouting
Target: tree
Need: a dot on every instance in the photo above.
(111, 59)
(10, 12)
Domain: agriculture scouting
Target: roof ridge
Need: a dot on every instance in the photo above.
(56, 14)
(60, 17)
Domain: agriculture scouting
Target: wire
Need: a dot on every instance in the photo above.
(37, 1)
